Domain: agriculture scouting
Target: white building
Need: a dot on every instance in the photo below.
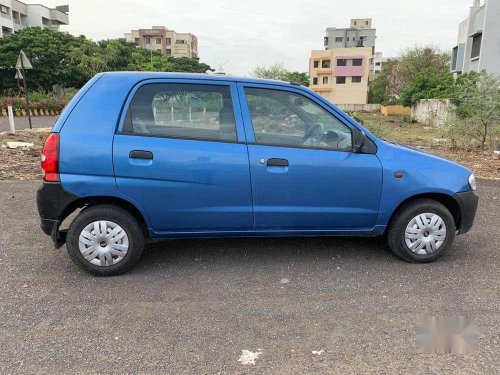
(16, 15)
(378, 63)
(478, 42)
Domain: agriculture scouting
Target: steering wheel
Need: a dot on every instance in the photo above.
(314, 135)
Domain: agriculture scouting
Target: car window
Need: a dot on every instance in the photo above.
(182, 111)
(284, 118)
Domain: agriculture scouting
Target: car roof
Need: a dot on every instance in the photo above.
(194, 76)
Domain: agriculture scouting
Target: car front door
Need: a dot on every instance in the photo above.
(305, 176)
(180, 154)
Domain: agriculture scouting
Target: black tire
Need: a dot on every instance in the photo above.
(114, 214)
(397, 229)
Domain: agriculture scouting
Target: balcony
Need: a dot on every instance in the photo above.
(19, 7)
(324, 70)
(59, 18)
(320, 88)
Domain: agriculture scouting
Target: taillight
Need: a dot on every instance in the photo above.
(50, 158)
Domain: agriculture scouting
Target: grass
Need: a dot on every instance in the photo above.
(402, 130)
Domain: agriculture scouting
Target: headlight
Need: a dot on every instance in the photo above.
(472, 182)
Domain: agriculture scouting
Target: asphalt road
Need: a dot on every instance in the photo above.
(192, 306)
(22, 123)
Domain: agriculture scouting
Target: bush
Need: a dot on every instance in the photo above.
(40, 100)
(478, 112)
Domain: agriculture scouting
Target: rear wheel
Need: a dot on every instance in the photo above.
(105, 240)
(421, 231)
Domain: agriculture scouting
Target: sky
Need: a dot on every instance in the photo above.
(240, 35)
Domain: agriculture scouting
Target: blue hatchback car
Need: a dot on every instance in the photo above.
(162, 155)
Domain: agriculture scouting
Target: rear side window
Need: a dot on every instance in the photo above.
(182, 111)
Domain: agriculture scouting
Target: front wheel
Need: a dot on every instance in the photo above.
(105, 240)
(421, 231)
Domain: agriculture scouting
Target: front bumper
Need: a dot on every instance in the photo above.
(54, 205)
(467, 202)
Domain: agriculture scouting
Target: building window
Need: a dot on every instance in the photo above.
(355, 23)
(325, 80)
(339, 39)
(348, 39)
(158, 40)
(366, 23)
(136, 40)
(476, 46)
(169, 41)
(356, 79)
(325, 64)
(326, 41)
(357, 62)
(4, 9)
(147, 40)
(377, 64)
(169, 52)
(180, 41)
(340, 80)
(316, 64)
(454, 59)
(342, 62)
(315, 80)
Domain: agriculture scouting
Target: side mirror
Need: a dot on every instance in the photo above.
(359, 139)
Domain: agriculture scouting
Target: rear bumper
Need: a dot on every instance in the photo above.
(468, 202)
(54, 204)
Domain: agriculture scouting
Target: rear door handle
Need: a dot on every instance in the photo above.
(141, 154)
(277, 163)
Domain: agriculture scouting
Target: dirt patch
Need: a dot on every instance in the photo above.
(21, 163)
(484, 164)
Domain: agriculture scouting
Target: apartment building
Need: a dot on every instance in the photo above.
(16, 15)
(478, 42)
(359, 34)
(341, 72)
(165, 41)
(378, 63)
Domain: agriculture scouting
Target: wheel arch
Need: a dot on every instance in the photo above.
(106, 200)
(446, 200)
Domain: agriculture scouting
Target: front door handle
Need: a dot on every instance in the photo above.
(141, 154)
(277, 163)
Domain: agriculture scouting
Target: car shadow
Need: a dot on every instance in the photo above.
(239, 251)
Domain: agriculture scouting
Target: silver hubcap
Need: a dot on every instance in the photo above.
(103, 243)
(425, 234)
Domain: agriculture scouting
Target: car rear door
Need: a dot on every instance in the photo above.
(180, 154)
(305, 176)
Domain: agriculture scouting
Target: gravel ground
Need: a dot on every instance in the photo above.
(192, 306)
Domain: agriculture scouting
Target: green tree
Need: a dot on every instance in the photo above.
(378, 92)
(279, 72)
(60, 58)
(428, 84)
(478, 108)
(49, 52)
(412, 62)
